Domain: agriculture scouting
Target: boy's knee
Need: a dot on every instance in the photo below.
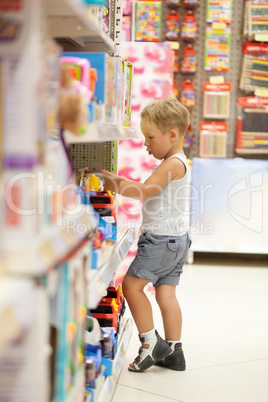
(126, 286)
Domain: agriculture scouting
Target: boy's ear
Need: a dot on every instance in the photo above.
(173, 134)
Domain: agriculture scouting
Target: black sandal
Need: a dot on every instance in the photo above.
(148, 357)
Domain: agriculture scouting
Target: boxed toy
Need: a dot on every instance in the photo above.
(128, 77)
(105, 88)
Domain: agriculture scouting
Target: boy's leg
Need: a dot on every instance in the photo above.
(170, 310)
(138, 302)
(172, 320)
(154, 348)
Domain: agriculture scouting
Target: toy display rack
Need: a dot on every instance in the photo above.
(69, 24)
(98, 132)
(100, 279)
(109, 384)
(233, 75)
(34, 256)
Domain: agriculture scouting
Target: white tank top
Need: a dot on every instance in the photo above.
(167, 212)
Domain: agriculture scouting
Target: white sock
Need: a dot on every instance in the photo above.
(149, 336)
(172, 344)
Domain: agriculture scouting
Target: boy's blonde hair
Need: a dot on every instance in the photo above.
(167, 114)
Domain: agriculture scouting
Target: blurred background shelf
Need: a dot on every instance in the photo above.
(101, 132)
(76, 29)
(35, 255)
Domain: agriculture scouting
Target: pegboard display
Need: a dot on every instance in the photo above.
(95, 155)
(201, 76)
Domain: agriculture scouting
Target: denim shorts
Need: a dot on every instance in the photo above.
(160, 259)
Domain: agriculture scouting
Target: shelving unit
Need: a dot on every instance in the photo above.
(101, 132)
(53, 262)
(100, 279)
(77, 31)
(109, 385)
(34, 256)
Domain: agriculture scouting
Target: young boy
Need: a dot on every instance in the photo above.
(164, 242)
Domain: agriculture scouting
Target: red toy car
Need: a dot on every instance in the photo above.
(103, 203)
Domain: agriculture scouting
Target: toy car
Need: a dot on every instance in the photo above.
(106, 315)
(103, 204)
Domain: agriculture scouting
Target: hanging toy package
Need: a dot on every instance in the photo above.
(191, 4)
(173, 3)
(188, 138)
(172, 26)
(189, 60)
(176, 60)
(175, 89)
(189, 27)
(187, 94)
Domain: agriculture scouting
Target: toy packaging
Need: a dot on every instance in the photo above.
(190, 4)
(126, 28)
(127, 7)
(217, 49)
(213, 139)
(111, 80)
(148, 21)
(256, 20)
(189, 27)
(219, 11)
(173, 3)
(188, 138)
(172, 26)
(187, 94)
(252, 124)
(217, 100)
(127, 94)
(104, 109)
(254, 74)
(189, 60)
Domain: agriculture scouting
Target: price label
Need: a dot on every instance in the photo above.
(261, 92)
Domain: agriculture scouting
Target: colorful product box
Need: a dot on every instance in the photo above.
(105, 88)
(128, 78)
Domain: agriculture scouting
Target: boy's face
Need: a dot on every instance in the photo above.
(156, 143)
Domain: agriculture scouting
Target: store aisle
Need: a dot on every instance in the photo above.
(225, 339)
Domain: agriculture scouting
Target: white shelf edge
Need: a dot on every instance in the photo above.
(35, 255)
(101, 278)
(66, 19)
(100, 132)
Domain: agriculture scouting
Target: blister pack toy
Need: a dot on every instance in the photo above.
(189, 60)
(175, 88)
(187, 95)
(189, 27)
(173, 3)
(176, 60)
(172, 26)
(188, 138)
(191, 4)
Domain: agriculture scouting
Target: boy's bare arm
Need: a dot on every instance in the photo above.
(170, 169)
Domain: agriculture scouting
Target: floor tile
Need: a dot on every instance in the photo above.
(245, 382)
(127, 394)
(225, 339)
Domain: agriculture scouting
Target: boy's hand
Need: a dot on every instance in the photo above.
(108, 179)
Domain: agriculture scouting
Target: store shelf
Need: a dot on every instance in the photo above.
(14, 293)
(100, 278)
(35, 255)
(99, 132)
(65, 19)
(110, 381)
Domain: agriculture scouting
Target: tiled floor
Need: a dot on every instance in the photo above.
(225, 338)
